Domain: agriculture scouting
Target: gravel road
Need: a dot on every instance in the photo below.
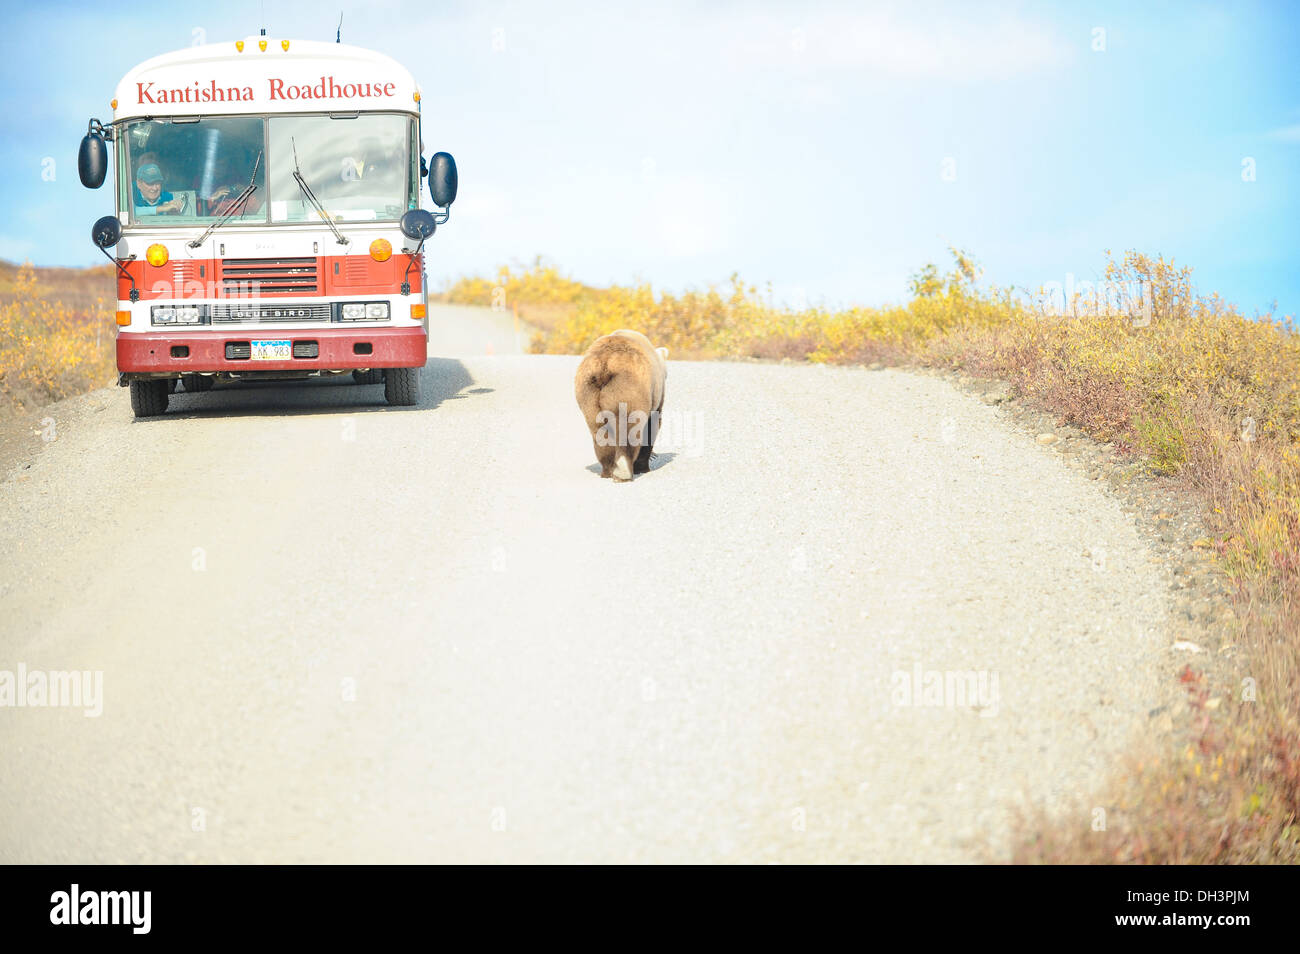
(330, 630)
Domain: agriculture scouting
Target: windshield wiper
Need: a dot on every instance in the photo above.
(311, 197)
(236, 206)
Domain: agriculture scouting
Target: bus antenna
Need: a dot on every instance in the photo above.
(338, 34)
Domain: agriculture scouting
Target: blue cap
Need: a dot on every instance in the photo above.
(149, 173)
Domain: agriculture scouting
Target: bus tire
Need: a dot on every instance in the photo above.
(149, 398)
(402, 386)
(373, 376)
(194, 383)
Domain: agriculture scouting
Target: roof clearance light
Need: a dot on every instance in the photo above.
(239, 46)
(416, 95)
(381, 250)
(156, 255)
(261, 45)
(284, 45)
(113, 104)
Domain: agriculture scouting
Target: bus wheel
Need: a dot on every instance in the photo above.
(402, 386)
(149, 398)
(194, 383)
(373, 376)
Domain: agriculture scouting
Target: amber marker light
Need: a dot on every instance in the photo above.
(239, 46)
(123, 317)
(284, 45)
(261, 45)
(381, 250)
(156, 255)
(113, 104)
(417, 311)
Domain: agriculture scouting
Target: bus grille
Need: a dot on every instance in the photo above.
(250, 277)
(252, 312)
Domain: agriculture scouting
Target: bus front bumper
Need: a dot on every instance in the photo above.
(313, 349)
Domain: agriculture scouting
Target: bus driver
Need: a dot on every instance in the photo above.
(150, 199)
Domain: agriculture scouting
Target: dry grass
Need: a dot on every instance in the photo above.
(1193, 388)
(56, 333)
(539, 294)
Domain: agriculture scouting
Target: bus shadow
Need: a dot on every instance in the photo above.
(441, 379)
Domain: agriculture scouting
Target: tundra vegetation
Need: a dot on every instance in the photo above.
(1179, 383)
(56, 334)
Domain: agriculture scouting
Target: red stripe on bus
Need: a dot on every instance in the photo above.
(270, 277)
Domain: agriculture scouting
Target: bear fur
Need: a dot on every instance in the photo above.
(620, 390)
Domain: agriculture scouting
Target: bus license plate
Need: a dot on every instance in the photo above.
(272, 350)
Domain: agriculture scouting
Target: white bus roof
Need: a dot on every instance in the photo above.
(262, 74)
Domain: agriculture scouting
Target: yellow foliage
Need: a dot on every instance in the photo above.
(49, 350)
(539, 284)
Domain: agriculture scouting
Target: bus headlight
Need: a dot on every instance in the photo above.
(178, 315)
(364, 311)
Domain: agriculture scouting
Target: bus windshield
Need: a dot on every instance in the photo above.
(187, 172)
(359, 168)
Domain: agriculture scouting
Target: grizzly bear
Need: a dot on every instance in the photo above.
(620, 390)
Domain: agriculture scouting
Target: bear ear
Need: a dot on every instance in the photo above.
(663, 353)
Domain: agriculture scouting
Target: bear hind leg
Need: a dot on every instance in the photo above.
(642, 465)
(605, 457)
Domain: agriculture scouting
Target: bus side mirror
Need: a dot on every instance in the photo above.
(92, 160)
(418, 224)
(442, 179)
(106, 232)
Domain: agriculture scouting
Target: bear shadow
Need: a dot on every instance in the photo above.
(656, 461)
